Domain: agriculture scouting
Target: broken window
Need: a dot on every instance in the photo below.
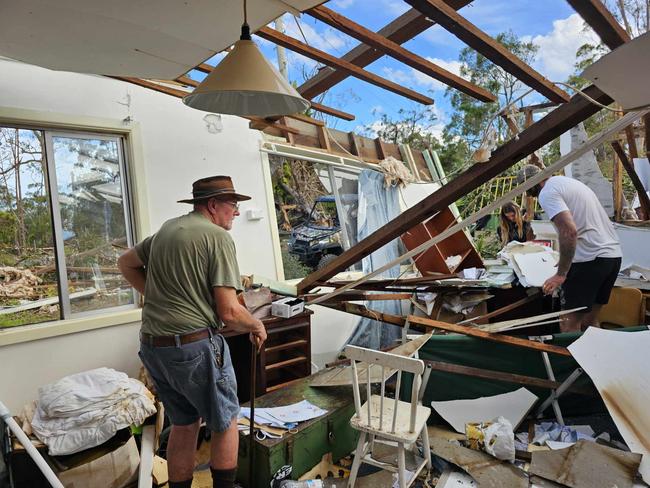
(64, 220)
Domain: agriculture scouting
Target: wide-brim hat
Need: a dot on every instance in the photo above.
(214, 187)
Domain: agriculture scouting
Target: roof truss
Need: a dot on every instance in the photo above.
(455, 23)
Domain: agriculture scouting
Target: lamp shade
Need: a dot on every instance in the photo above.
(246, 83)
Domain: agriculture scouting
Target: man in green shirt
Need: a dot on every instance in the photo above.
(188, 274)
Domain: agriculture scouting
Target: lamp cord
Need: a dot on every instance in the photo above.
(245, 29)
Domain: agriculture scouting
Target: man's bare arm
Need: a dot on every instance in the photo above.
(568, 236)
(235, 316)
(132, 268)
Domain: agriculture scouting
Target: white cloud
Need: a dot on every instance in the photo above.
(342, 4)
(328, 39)
(436, 128)
(413, 77)
(557, 49)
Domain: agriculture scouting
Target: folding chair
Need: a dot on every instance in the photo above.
(387, 418)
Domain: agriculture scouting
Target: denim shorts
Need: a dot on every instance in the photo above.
(194, 381)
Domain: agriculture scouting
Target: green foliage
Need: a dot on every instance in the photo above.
(487, 244)
(471, 117)
(412, 127)
(293, 268)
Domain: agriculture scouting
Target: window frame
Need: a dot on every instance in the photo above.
(135, 190)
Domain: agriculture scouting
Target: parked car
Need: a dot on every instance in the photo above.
(317, 240)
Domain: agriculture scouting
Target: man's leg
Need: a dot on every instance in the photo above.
(571, 322)
(181, 451)
(590, 318)
(224, 449)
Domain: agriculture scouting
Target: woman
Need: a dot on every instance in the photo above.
(512, 226)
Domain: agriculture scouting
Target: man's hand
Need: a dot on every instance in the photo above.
(552, 284)
(258, 336)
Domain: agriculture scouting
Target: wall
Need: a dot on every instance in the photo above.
(177, 148)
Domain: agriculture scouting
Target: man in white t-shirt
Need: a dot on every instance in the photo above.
(590, 253)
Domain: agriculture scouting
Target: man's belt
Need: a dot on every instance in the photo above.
(174, 340)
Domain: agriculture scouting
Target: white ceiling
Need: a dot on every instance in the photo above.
(140, 38)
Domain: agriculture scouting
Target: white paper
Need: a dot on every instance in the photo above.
(618, 364)
(289, 414)
(513, 406)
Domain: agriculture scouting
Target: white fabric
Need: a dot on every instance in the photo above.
(596, 234)
(86, 409)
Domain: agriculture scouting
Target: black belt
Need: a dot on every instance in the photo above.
(174, 340)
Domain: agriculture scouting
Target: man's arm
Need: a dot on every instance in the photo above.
(132, 268)
(235, 316)
(568, 237)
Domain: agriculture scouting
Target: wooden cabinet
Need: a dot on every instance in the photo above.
(284, 358)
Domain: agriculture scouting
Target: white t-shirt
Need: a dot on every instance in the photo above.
(596, 234)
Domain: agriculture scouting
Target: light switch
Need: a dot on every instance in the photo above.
(254, 214)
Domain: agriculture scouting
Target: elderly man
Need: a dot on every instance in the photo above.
(590, 253)
(188, 274)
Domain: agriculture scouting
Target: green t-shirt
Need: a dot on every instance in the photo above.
(184, 261)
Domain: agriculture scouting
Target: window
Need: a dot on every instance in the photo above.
(316, 208)
(64, 220)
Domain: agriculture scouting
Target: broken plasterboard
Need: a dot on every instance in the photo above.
(536, 267)
(340, 375)
(514, 406)
(587, 465)
(617, 363)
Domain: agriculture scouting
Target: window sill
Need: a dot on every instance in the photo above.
(27, 333)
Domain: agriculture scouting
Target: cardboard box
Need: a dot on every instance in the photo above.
(287, 307)
(115, 469)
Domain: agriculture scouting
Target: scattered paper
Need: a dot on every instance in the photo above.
(286, 415)
(514, 406)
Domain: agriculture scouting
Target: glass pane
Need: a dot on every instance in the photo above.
(348, 191)
(28, 280)
(90, 190)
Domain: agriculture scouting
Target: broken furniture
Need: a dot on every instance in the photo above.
(303, 447)
(284, 358)
(448, 256)
(382, 418)
(626, 308)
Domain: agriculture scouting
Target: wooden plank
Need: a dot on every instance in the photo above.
(381, 150)
(455, 23)
(502, 376)
(631, 141)
(396, 51)
(617, 188)
(323, 139)
(601, 21)
(334, 112)
(638, 186)
(488, 336)
(299, 47)
(536, 136)
(152, 86)
(287, 362)
(286, 345)
(400, 30)
(361, 295)
(354, 144)
(502, 310)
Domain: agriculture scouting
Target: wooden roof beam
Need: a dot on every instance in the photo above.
(393, 49)
(295, 45)
(318, 107)
(455, 23)
(400, 30)
(601, 20)
(536, 136)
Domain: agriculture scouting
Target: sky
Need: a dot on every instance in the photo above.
(552, 25)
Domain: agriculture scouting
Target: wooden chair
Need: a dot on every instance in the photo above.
(626, 308)
(387, 418)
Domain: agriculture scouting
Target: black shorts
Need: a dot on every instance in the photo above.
(589, 282)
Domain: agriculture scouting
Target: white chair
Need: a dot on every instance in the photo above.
(387, 418)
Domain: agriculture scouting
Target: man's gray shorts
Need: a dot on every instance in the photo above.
(194, 380)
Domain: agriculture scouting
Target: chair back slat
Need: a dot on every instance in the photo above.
(387, 361)
(399, 385)
(381, 400)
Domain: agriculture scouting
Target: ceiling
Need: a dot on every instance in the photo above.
(138, 38)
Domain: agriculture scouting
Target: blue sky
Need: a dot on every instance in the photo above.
(551, 24)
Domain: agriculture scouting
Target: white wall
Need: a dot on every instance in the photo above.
(177, 149)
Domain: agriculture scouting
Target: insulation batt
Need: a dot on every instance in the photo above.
(86, 409)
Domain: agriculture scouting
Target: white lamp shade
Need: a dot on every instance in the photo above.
(246, 83)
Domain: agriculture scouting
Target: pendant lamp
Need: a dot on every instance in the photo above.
(246, 83)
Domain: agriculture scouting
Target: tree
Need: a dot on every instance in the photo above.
(471, 117)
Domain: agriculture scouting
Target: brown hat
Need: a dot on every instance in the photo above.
(214, 186)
